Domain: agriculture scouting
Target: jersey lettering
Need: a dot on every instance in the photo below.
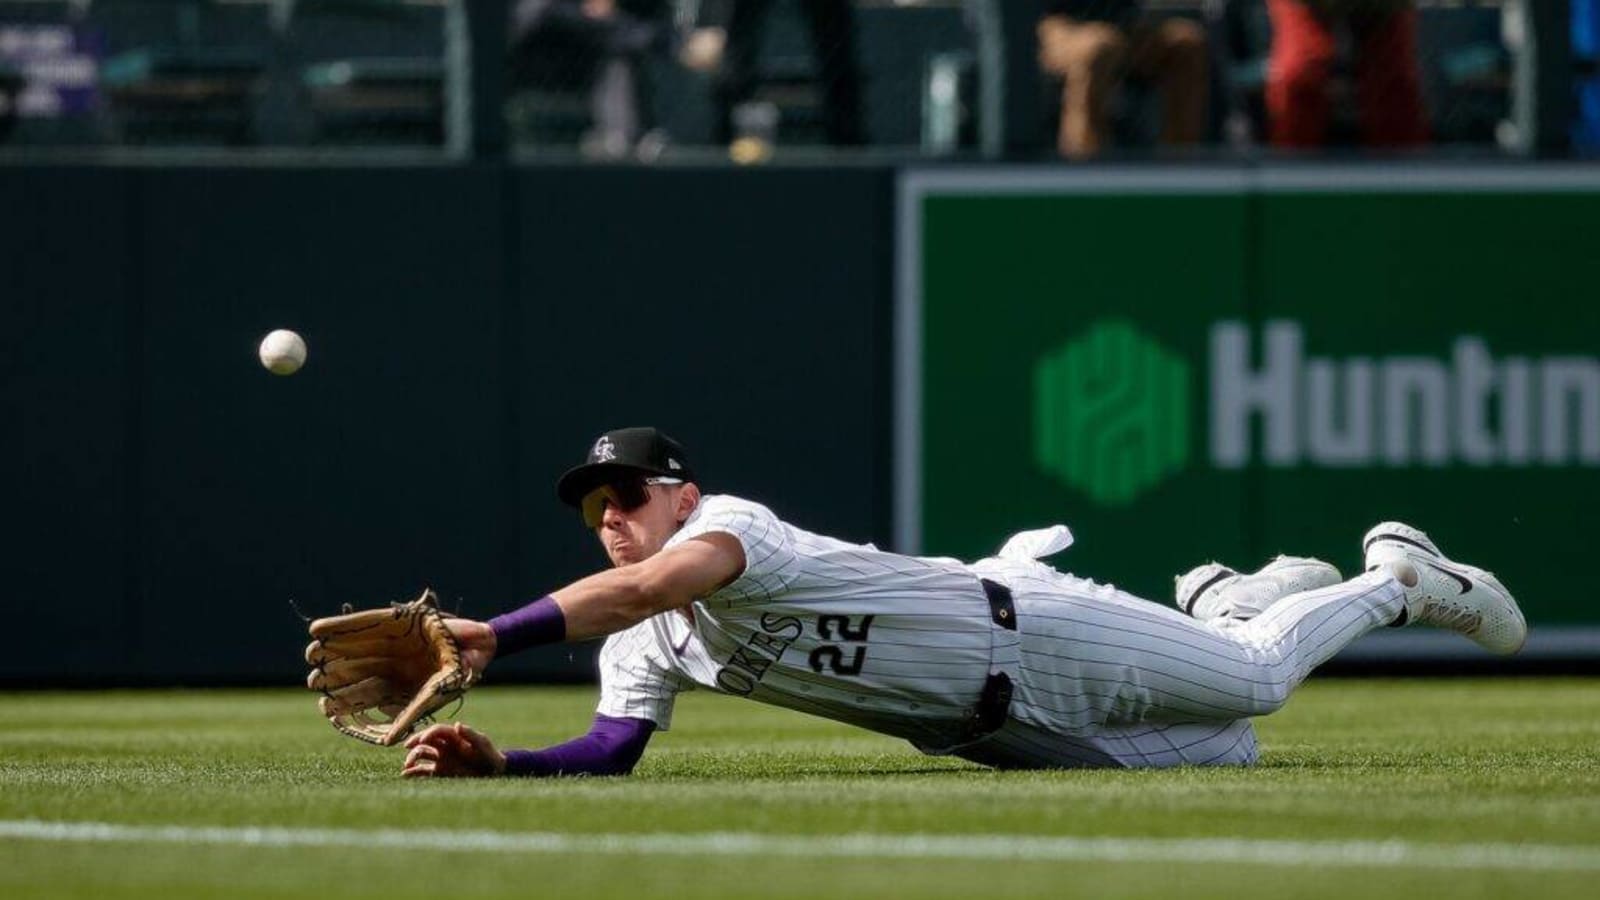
(763, 648)
(833, 657)
(830, 656)
(825, 625)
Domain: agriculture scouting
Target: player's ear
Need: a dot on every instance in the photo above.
(688, 499)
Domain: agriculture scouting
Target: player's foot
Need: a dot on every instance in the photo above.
(1214, 591)
(1444, 593)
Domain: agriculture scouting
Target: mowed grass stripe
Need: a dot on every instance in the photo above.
(1360, 854)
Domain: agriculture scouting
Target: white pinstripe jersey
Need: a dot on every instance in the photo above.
(903, 645)
(898, 644)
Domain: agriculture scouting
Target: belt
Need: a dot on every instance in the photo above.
(994, 702)
(1001, 609)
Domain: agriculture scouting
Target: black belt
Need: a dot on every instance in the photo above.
(1001, 609)
(994, 702)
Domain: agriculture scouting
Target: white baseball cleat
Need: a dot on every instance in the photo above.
(1214, 591)
(1444, 593)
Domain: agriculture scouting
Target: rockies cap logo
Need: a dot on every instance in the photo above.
(603, 450)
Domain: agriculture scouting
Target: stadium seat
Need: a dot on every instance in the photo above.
(1466, 71)
(373, 71)
(182, 71)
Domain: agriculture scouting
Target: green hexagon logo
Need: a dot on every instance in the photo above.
(1111, 413)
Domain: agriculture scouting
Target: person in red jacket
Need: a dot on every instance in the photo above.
(1388, 88)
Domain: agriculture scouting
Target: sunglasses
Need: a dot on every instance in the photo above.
(626, 495)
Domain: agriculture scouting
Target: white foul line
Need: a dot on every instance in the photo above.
(1363, 854)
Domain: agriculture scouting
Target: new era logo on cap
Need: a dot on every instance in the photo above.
(624, 453)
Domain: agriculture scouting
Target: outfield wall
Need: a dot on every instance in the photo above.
(472, 327)
(469, 331)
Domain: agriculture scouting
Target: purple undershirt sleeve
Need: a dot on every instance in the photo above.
(612, 747)
(540, 622)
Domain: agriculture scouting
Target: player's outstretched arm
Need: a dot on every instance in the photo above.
(612, 747)
(616, 599)
(609, 601)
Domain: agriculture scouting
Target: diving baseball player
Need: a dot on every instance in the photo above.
(1005, 661)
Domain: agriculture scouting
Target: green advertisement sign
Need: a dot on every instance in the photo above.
(1231, 364)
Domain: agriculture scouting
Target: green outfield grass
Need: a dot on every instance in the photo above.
(1367, 789)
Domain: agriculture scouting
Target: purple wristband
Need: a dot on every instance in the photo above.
(540, 622)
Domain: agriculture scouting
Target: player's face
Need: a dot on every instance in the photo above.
(635, 522)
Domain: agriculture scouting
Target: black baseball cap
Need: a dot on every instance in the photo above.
(624, 453)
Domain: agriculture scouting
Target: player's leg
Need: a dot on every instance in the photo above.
(1443, 593)
(1409, 581)
(1020, 745)
(1460, 598)
(1095, 657)
(1217, 593)
(1305, 630)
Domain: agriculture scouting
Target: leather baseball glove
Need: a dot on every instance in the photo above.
(382, 672)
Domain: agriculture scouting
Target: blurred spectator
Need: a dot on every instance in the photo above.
(1388, 81)
(727, 41)
(600, 46)
(11, 84)
(1092, 45)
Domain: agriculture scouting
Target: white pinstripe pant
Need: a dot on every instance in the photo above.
(1108, 679)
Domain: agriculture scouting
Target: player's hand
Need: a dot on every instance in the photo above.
(477, 643)
(452, 751)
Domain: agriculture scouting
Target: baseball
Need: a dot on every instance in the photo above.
(283, 352)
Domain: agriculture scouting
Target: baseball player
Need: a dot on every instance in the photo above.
(1005, 661)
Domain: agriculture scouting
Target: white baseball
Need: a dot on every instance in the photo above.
(283, 352)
